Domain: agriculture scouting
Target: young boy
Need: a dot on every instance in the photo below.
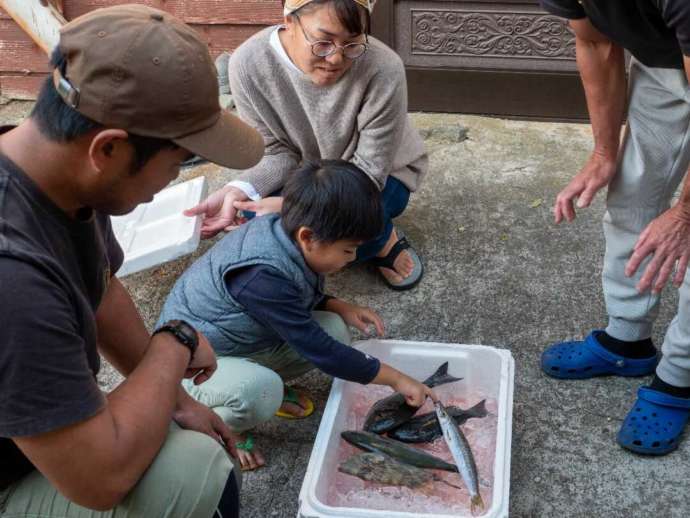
(258, 297)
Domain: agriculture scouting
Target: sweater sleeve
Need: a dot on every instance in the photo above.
(274, 301)
(569, 9)
(381, 121)
(269, 175)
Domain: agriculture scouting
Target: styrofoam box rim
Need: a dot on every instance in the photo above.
(186, 241)
(311, 507)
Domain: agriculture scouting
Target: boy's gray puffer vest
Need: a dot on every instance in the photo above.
(201, 298)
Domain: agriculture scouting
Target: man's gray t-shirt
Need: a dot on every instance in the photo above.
(54, 271)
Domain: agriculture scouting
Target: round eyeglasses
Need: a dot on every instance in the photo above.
(325, 48)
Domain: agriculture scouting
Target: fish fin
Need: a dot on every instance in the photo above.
(479, 410)
(440, 377)
(476, 502)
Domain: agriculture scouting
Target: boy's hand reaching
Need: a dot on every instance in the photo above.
(415, 392)
(357, 316)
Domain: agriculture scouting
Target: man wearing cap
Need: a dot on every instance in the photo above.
(647, 237)
(133, 95)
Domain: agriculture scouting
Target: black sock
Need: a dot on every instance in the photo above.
(662, 386)
(635, 350)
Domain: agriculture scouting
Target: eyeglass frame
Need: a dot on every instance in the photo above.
(336, 47)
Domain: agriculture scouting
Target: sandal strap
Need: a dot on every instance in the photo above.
(389, 260)
(659, 398)
(247, 444)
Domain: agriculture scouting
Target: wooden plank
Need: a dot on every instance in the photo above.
(17, 52)
(41, 23)
(225, 37)
(21, 87)
(251, 12)
(215, 12)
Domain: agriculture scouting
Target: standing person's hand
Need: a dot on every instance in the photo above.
(667, 239)
(218, 211)
(595, 175)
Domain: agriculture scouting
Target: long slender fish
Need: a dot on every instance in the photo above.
(372, 442)
(392, 411)
(383, 469)
(462, 454)
(425, 427)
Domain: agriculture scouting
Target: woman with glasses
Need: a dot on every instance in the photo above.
(318, 87)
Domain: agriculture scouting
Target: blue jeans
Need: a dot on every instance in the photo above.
(395, 197)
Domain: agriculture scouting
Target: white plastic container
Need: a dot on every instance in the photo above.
(484, 368)
(157, 232)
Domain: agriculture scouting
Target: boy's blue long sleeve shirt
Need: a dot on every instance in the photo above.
(274, 301)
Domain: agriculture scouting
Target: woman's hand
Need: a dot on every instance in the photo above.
(262, 207)
(218, 211)
(357, 316)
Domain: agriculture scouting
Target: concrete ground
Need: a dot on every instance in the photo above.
(498, 272)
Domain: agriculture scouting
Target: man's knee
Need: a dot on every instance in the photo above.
(186, 478)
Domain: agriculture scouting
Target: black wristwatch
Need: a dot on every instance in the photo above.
(184, 333)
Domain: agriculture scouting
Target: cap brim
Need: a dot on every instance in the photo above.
(229, 142)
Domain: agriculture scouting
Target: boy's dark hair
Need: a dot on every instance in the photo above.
(355, 18)
(61, 123)
(334, 199)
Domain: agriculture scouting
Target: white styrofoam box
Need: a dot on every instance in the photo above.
(484, 368)
(157, 231)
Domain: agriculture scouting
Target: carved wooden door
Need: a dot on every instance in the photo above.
(506, 58)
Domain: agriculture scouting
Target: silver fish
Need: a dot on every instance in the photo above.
(462, 454)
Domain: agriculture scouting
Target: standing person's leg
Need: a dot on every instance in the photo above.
(390, 252)
(653, 161)
(189, 477)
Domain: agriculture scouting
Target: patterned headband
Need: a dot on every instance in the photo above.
(292, 5)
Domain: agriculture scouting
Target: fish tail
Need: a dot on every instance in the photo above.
(475, 502)
(440, 377)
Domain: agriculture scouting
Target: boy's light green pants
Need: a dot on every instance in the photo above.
(246, 391)
(186, 479)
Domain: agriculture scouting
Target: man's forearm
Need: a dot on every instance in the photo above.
(602, 68)
(122, 336)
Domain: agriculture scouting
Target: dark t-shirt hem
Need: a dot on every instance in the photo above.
(64, 416)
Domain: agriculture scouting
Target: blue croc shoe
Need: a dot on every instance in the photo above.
(588, 358)
(655, 423)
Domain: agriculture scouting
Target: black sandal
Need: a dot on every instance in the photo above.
(388, 262)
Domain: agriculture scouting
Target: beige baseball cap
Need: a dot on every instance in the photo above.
(140, 69)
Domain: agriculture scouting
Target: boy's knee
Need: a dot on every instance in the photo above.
(253, 401)
(334, 325)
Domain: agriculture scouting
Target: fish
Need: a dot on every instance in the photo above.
(375, 443)
(383, 469)
(392, 411)
(462, 454)
(426, 428)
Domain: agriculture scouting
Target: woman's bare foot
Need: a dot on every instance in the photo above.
(250, 458)
(403, 264)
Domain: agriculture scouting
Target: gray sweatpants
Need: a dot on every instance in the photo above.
(654, 161)
(246, 391)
